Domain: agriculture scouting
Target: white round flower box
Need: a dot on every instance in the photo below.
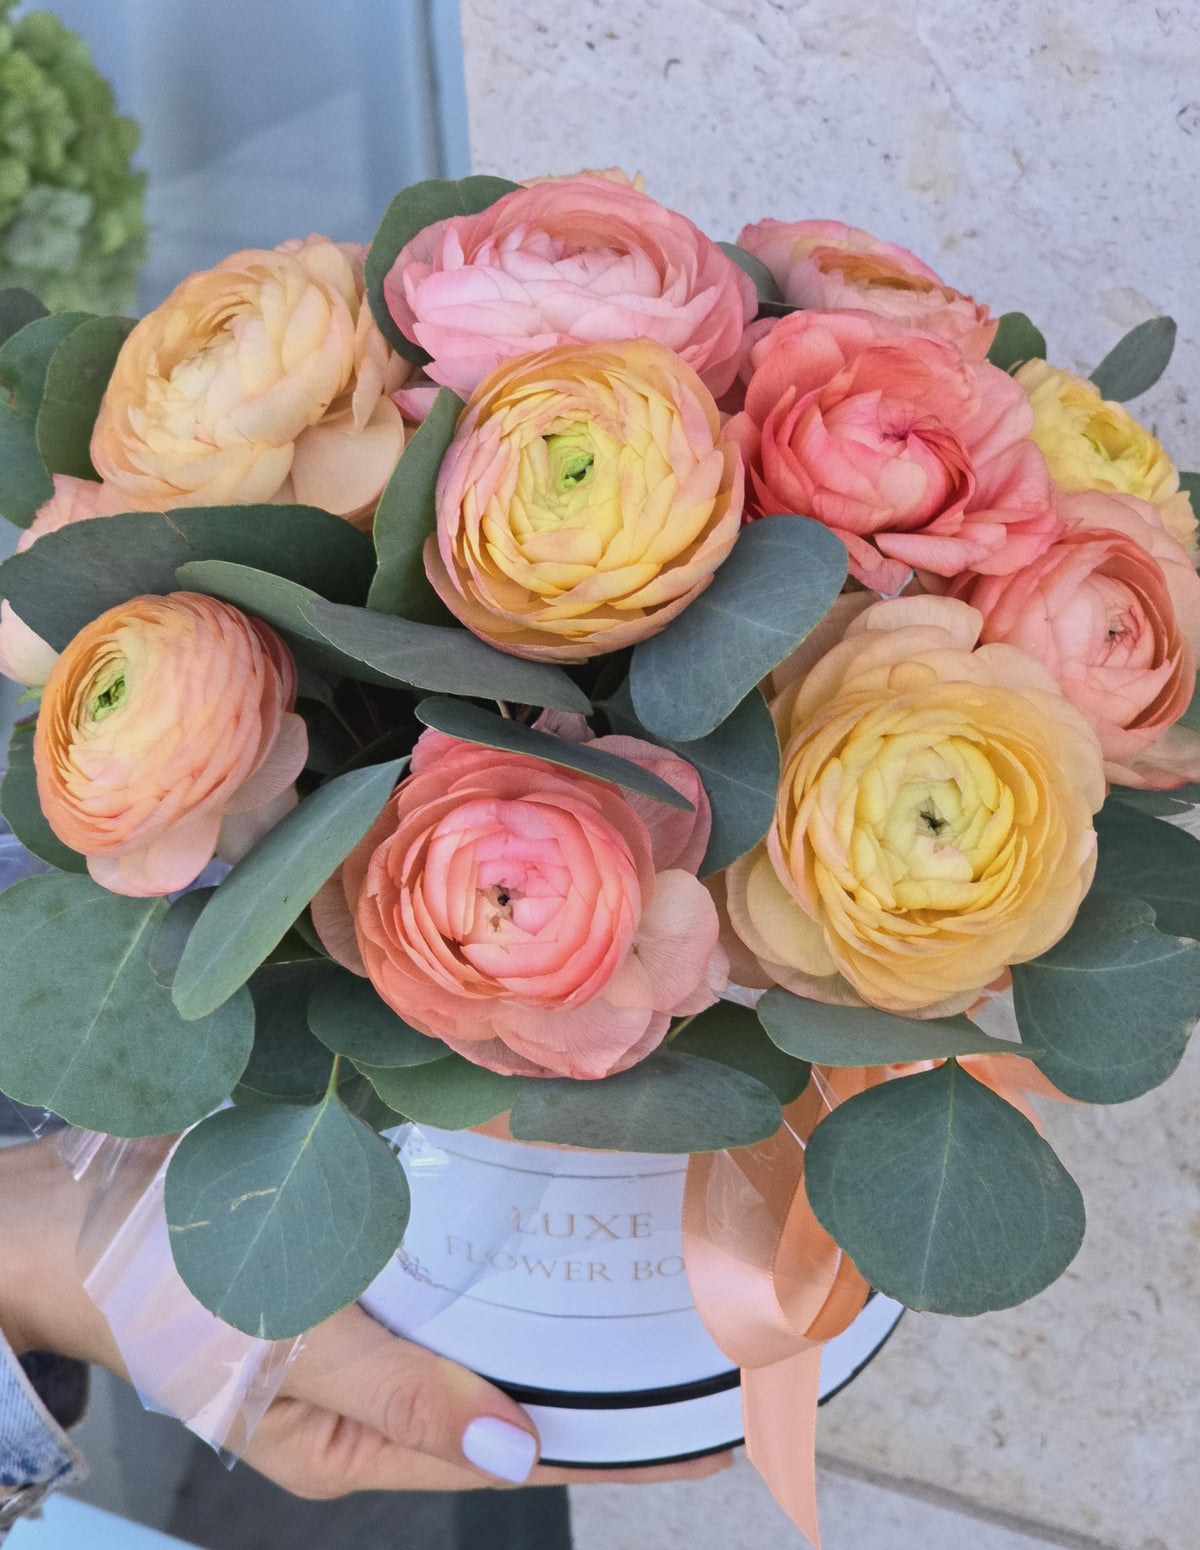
(558, 1275)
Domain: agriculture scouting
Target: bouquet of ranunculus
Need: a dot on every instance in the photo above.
(654, 695)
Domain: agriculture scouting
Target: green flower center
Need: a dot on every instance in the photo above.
(571, 465)
(107, 699)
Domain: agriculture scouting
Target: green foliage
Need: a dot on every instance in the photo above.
(1112, 1004)
(287, 1065)
(22, 810)
(738, 765)
(1136, 362)
(1017, 341)
(943, 1195)
(280, 1216)
(669, 1102)
(733, 1036)
(252, 909)
(411, 211)
(1145, 859)
(75, 383)
(72, 224)
(24, 362)
(451, 1093)
(778, 583)
(459, 718)
(863, 1036)
(407, 515)
(89, 1032)
(347, 1015)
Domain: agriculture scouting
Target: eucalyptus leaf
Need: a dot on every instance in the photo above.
(943, 1195)
(24, 361)
(778, 583)
(1158, 804)
(18, 307)
(451, 1093)
(738, 765)
(23, 811)
(249, 913)
(1017, 341)
(347, 1015)
(669, 1102)
(410, 212)
(70, 577)
(443, 660)
(171, 937)
(1191, 484)
(864, 1036)
(1112, 1004)
(765, 283)
(1136, 362)
(89, 1033)
(459, 718)
(281, 1216)
(75, 383)
(733, 1036)
(407, 515)
(287, 1064)
(1147, 859)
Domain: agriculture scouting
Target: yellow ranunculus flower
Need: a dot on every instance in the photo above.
(934, 815)
(588, 496)
(1091, 443)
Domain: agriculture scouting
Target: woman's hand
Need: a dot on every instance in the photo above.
(359, 1409)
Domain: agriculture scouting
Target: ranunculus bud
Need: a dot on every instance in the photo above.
(1091, 443)
(264, 379)
(827, 264)
(166, 734)
(540, 921)
(568, 260)
(912, 454)
(1113, 610)
(586, 499)
(934, 822)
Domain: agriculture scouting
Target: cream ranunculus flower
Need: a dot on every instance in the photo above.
(264, 379)
(588, 496)
(1091, 443)
(934, 816)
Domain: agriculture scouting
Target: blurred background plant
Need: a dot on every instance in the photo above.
(72, 222)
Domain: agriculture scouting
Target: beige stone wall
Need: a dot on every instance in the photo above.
(1044, 154)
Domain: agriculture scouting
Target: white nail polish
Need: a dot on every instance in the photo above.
(499, 1448)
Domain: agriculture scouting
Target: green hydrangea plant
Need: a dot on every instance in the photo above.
(72, 223)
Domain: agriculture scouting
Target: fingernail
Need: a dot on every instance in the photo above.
(500, 1449)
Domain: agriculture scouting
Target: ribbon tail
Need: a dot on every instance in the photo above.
(779, 1408)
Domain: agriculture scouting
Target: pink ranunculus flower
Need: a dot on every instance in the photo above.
(1112, 608)
(828, 264)
(24, 655)
(915, 456)
(539, 921)
(571, 261)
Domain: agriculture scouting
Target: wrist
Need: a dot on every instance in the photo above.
(42, 1301)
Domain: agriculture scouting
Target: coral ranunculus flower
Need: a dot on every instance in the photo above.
(934, 822)
(1113, 610)
(24, 655)
(587, 498)
(573, 259)
(166, 734)
(264, 379)
(540, 921)
(1092, 443)
(827, 264)
(912, 454)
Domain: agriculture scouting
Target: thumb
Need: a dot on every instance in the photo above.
(352, 1366)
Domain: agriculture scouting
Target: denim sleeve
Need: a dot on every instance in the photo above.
(36, 1455)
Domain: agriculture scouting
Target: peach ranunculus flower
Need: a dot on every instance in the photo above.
(934, 816)
(1113, 610)
(913, 455)
(570, 260)
(587, 498)
(264, 379)
(540, 921)
(167, 735)
(1092, 443)
(830, 265)
(24, 655)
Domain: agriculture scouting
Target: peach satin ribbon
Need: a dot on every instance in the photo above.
(770, 1283)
